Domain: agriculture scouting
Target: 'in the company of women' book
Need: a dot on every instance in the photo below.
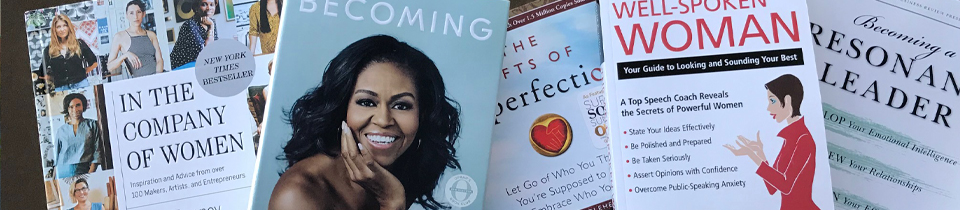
(381, 105)
(714, 105)
(150, 104)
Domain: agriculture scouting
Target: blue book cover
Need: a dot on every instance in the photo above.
(381, 105)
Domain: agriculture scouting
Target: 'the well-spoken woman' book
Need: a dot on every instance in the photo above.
(714, 105)
(381, 105)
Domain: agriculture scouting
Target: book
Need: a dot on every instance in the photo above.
(549, 147)
(381, 104)
(887, 75)
(121, 127)
(709, 104)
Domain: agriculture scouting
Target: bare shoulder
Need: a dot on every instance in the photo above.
(304, 186)
(120, 34)
(121, 37)
(296, 191)
(151, 34)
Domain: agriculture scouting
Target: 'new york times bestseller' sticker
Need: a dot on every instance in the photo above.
(225, 68)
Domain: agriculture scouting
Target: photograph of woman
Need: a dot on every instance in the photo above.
(78, 141)
(195, 33)
(377, 133)
(135, 48)
(67, 60)
(265, 25)
(793, 171)
(80, 193)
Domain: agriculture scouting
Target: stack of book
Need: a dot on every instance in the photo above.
(548, 105)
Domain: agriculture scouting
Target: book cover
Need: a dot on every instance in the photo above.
(714, 105)
(887, 74)
(122, 127)
(381, 104)
(549, 146)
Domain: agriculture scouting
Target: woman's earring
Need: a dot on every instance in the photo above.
(418, 143)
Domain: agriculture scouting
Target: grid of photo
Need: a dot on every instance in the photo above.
(76, 48)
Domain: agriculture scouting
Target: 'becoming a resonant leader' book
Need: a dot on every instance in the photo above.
(381, 105)
(714, 105)
(549, 147)
(888, 73)
(145, 106)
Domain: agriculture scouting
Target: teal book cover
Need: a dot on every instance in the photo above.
(381, 105)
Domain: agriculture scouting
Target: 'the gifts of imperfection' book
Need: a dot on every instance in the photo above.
(550, 140)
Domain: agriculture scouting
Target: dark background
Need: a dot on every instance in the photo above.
(21, 181)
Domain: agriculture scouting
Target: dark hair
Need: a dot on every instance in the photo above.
(265, 16)
(787, 85)
(196, 8)
(317, 115)
(70, 97)
(143, 7)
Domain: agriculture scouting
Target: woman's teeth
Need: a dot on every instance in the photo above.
(377, 139)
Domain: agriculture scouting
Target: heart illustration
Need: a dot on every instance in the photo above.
(552, 137)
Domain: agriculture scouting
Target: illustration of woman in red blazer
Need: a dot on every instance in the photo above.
(792, 172)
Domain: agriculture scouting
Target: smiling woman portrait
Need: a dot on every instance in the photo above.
(377, 133)
(78, 140)
(67, 60)
(80, 194)
(196, 33)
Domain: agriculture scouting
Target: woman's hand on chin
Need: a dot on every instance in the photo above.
(206, 21)
(369, 174)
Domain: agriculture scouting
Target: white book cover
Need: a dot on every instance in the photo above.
(149, 104)
(714, 105)
(549, 147)
(888, 72)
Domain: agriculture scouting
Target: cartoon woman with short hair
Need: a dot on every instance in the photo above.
(792, 172)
